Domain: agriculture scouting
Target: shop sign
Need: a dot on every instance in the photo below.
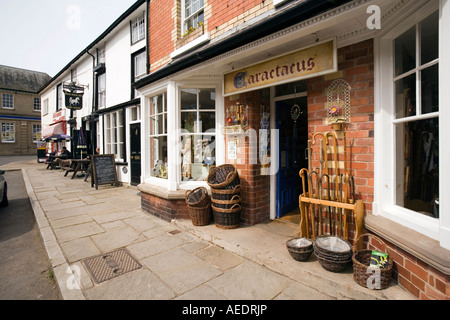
(309, 62)
(59, 116)
(74, 101)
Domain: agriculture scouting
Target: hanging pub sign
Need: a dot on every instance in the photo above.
(74, 101)
(309, 62)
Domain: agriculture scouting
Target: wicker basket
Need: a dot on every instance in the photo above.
(200, 216)
(198, 197)
(225, 194)
(226, 204)
(223, 177)
(362, 272)
(334, 254)
(227, 218)
(300, 248)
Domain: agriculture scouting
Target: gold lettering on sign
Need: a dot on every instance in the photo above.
(310, 62)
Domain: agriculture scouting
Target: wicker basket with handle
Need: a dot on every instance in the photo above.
(372, 278)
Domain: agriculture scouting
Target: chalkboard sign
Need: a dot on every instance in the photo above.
(104, 170)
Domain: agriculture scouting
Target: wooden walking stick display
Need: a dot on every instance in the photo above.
(331, 189)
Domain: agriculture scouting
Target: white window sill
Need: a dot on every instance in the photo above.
(194, 43)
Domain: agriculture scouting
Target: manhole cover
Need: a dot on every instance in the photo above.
(111, 265)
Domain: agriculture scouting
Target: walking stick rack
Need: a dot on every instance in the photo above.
(328, 202)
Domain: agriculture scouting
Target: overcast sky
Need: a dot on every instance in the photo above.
(46, 35)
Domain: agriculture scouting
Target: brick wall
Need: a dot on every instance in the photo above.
(416, 276)
(161, 25)
(356, 66)
(255, 187)
(163, 208)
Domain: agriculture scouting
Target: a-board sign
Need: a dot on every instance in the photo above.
(104, 170)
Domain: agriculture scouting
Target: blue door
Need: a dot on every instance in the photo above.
(292, 143)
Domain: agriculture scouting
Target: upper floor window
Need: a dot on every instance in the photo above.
(7, 101)
(137, 29)
(37, 104)
(192, 14)
(140, 65)
(59, 97)
(45, 107)
(101, 56)
(101, 90)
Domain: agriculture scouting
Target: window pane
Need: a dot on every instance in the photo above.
(207, 122)
(198, 154)
(158, 155)
(207, 99)
(405, 99)
(188, 121)
(430, 89)
(405, 52)
(429, 37)
(418, 166)
(188, 99)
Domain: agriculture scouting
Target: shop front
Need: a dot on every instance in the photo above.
(321, 98)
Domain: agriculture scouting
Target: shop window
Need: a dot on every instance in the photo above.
(36, 133)
(8, 132)
(417, 117)
(198, 122)
(158, 136)
(407, 121)
(114, 134)
(7, 101)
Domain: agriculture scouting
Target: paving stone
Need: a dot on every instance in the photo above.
(118, 238)
(61, 223)
(249, 281)
(142, 223)
(203, 292)
(219, 257)
(79, 249)
(78, 231)
(156, 245)
(113, 216)
(181, 270)
(137, 285)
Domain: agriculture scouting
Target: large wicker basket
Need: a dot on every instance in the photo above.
(226, 204)
(225, 194)
(369, 277)
(334, 254)
(223, 177)
(227, 218)
(200, 216)
(198, 197)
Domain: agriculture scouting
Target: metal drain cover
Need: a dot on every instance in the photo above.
(110, 265)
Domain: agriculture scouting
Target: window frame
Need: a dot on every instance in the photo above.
(165, 131)
(36, 132)
(100, 95)
(8, 98)
(137, 29)
(385, 201)
(193, 183)
(37, 104)
(114, 136)
(185, 19)
(11, 125)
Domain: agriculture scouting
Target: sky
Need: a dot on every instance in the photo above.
(46, 35)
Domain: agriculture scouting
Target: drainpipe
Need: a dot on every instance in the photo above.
(91, 117)
(148, 37)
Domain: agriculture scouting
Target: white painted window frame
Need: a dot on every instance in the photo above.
(385, 166)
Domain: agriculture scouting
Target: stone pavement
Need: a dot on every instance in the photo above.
(179, 260)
